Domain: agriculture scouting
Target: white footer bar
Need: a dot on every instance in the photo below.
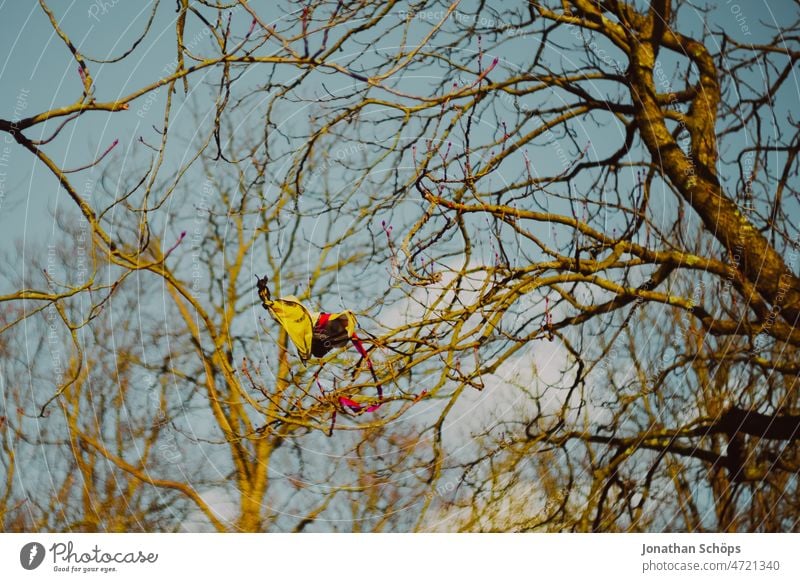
(354, 557)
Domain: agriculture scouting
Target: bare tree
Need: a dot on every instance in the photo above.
(566, 230)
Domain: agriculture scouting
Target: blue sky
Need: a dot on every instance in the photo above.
(38, 73)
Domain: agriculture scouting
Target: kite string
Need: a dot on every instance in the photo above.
(360, 348)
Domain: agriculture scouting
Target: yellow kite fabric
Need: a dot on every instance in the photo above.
(296, 320)
(317, 334)
(292, 316)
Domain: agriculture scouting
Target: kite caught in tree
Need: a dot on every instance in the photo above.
(316, 334)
